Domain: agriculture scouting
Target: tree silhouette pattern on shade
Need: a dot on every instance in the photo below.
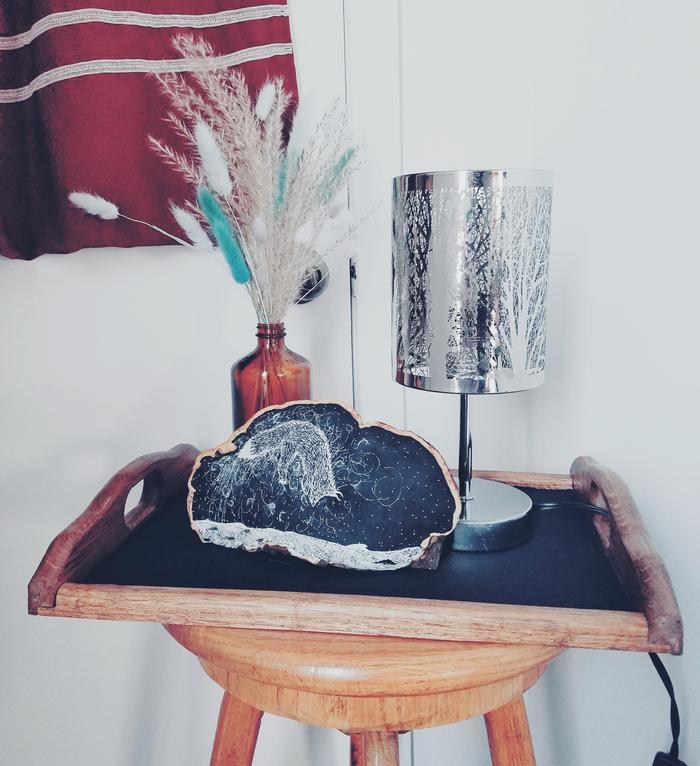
(413, 230)
(523, 304)
(493, 292)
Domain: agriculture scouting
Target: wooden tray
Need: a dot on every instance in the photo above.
(584, 580)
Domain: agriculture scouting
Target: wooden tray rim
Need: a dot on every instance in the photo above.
(399, 617)
(56, 590)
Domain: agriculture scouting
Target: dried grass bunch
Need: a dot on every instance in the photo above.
(274, 207)
(275, 210)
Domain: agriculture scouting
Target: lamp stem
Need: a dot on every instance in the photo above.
(465, 455)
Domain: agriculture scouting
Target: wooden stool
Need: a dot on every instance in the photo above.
(370, 687)
(344, 655)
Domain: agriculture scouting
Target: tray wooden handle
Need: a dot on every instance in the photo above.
(104, 526)
(630, 551)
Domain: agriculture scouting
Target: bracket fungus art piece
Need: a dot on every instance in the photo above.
(310, 479)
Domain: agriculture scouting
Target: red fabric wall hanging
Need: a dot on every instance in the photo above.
(77, 103)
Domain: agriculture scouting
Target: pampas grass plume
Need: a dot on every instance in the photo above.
(94, 205)
(284, 200)
(266, 100)
(191, 226)
(213, 161)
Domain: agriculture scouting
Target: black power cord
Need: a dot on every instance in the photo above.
(670, 758)
(571, 504)
(660, 759)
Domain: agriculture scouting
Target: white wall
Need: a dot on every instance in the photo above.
(103, 359)
(623, 382)
(599, 92)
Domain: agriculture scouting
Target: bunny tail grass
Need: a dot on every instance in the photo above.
(281, 183)
(226, 239)
(108, 211)
(259, 229)
(210, 207)
(265, 101)
(191, 226)
(213, 161)
(93, 204)
(232, 252)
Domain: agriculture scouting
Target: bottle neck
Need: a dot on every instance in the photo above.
(270, 335)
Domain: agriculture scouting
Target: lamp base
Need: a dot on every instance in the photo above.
(497, 517)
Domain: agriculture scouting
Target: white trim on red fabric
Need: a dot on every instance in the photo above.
(136, 18)
(155, 66)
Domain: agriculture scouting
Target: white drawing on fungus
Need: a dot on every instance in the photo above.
(312, 459)
(291, 442)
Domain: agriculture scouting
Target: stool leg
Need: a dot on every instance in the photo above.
(509, 735)
(236, 733)
(374, 748)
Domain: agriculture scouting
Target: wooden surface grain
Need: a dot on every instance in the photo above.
(363, 615)
(355, 714)
(630, 551)
(103, 526)
(236, 733)
(374, 748)
(366, 666)
(509, 735)
(526, 479)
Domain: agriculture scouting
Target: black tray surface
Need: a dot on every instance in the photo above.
(563, 565)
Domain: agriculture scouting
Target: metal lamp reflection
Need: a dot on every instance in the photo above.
(470, 265)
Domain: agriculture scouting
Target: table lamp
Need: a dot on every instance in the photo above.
(470, 263)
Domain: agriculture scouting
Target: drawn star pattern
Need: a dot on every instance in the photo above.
(383, 489)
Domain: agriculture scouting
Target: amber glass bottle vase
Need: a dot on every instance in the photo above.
(271, 374)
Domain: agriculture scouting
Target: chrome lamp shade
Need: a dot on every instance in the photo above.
(470, 257)
(470, 265)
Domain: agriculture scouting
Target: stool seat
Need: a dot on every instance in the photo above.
(358, 665)
(367, 686)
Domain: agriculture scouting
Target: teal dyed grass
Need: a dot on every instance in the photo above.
(225, 237)
(332, 182)
(281, 183)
